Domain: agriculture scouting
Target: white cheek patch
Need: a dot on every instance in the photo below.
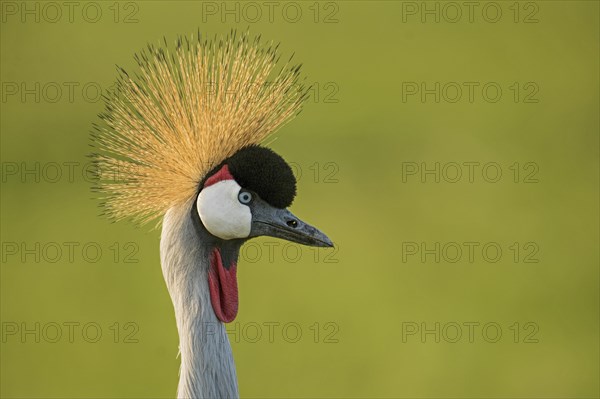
(222, 213)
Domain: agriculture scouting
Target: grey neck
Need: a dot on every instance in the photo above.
(207, 366)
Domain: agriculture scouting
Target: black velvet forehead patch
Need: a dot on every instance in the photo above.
(261, 170)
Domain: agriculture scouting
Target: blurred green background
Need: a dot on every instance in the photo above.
(357, 135)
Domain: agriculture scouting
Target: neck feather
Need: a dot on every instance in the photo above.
(207, 366)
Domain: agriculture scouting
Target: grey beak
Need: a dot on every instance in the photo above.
(281, 223)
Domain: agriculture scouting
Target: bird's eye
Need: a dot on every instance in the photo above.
(245, 197)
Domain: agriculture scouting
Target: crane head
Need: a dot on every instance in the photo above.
(183, 132)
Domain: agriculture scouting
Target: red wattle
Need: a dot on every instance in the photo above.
(222, 284)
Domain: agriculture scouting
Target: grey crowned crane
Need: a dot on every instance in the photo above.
(180, 140)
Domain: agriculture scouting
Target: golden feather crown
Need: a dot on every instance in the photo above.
(183, 113)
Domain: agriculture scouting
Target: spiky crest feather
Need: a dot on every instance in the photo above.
(186, 111)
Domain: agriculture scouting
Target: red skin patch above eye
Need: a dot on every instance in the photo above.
(222, 174)
(222, 284)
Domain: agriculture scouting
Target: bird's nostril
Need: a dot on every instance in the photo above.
(292, 223)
